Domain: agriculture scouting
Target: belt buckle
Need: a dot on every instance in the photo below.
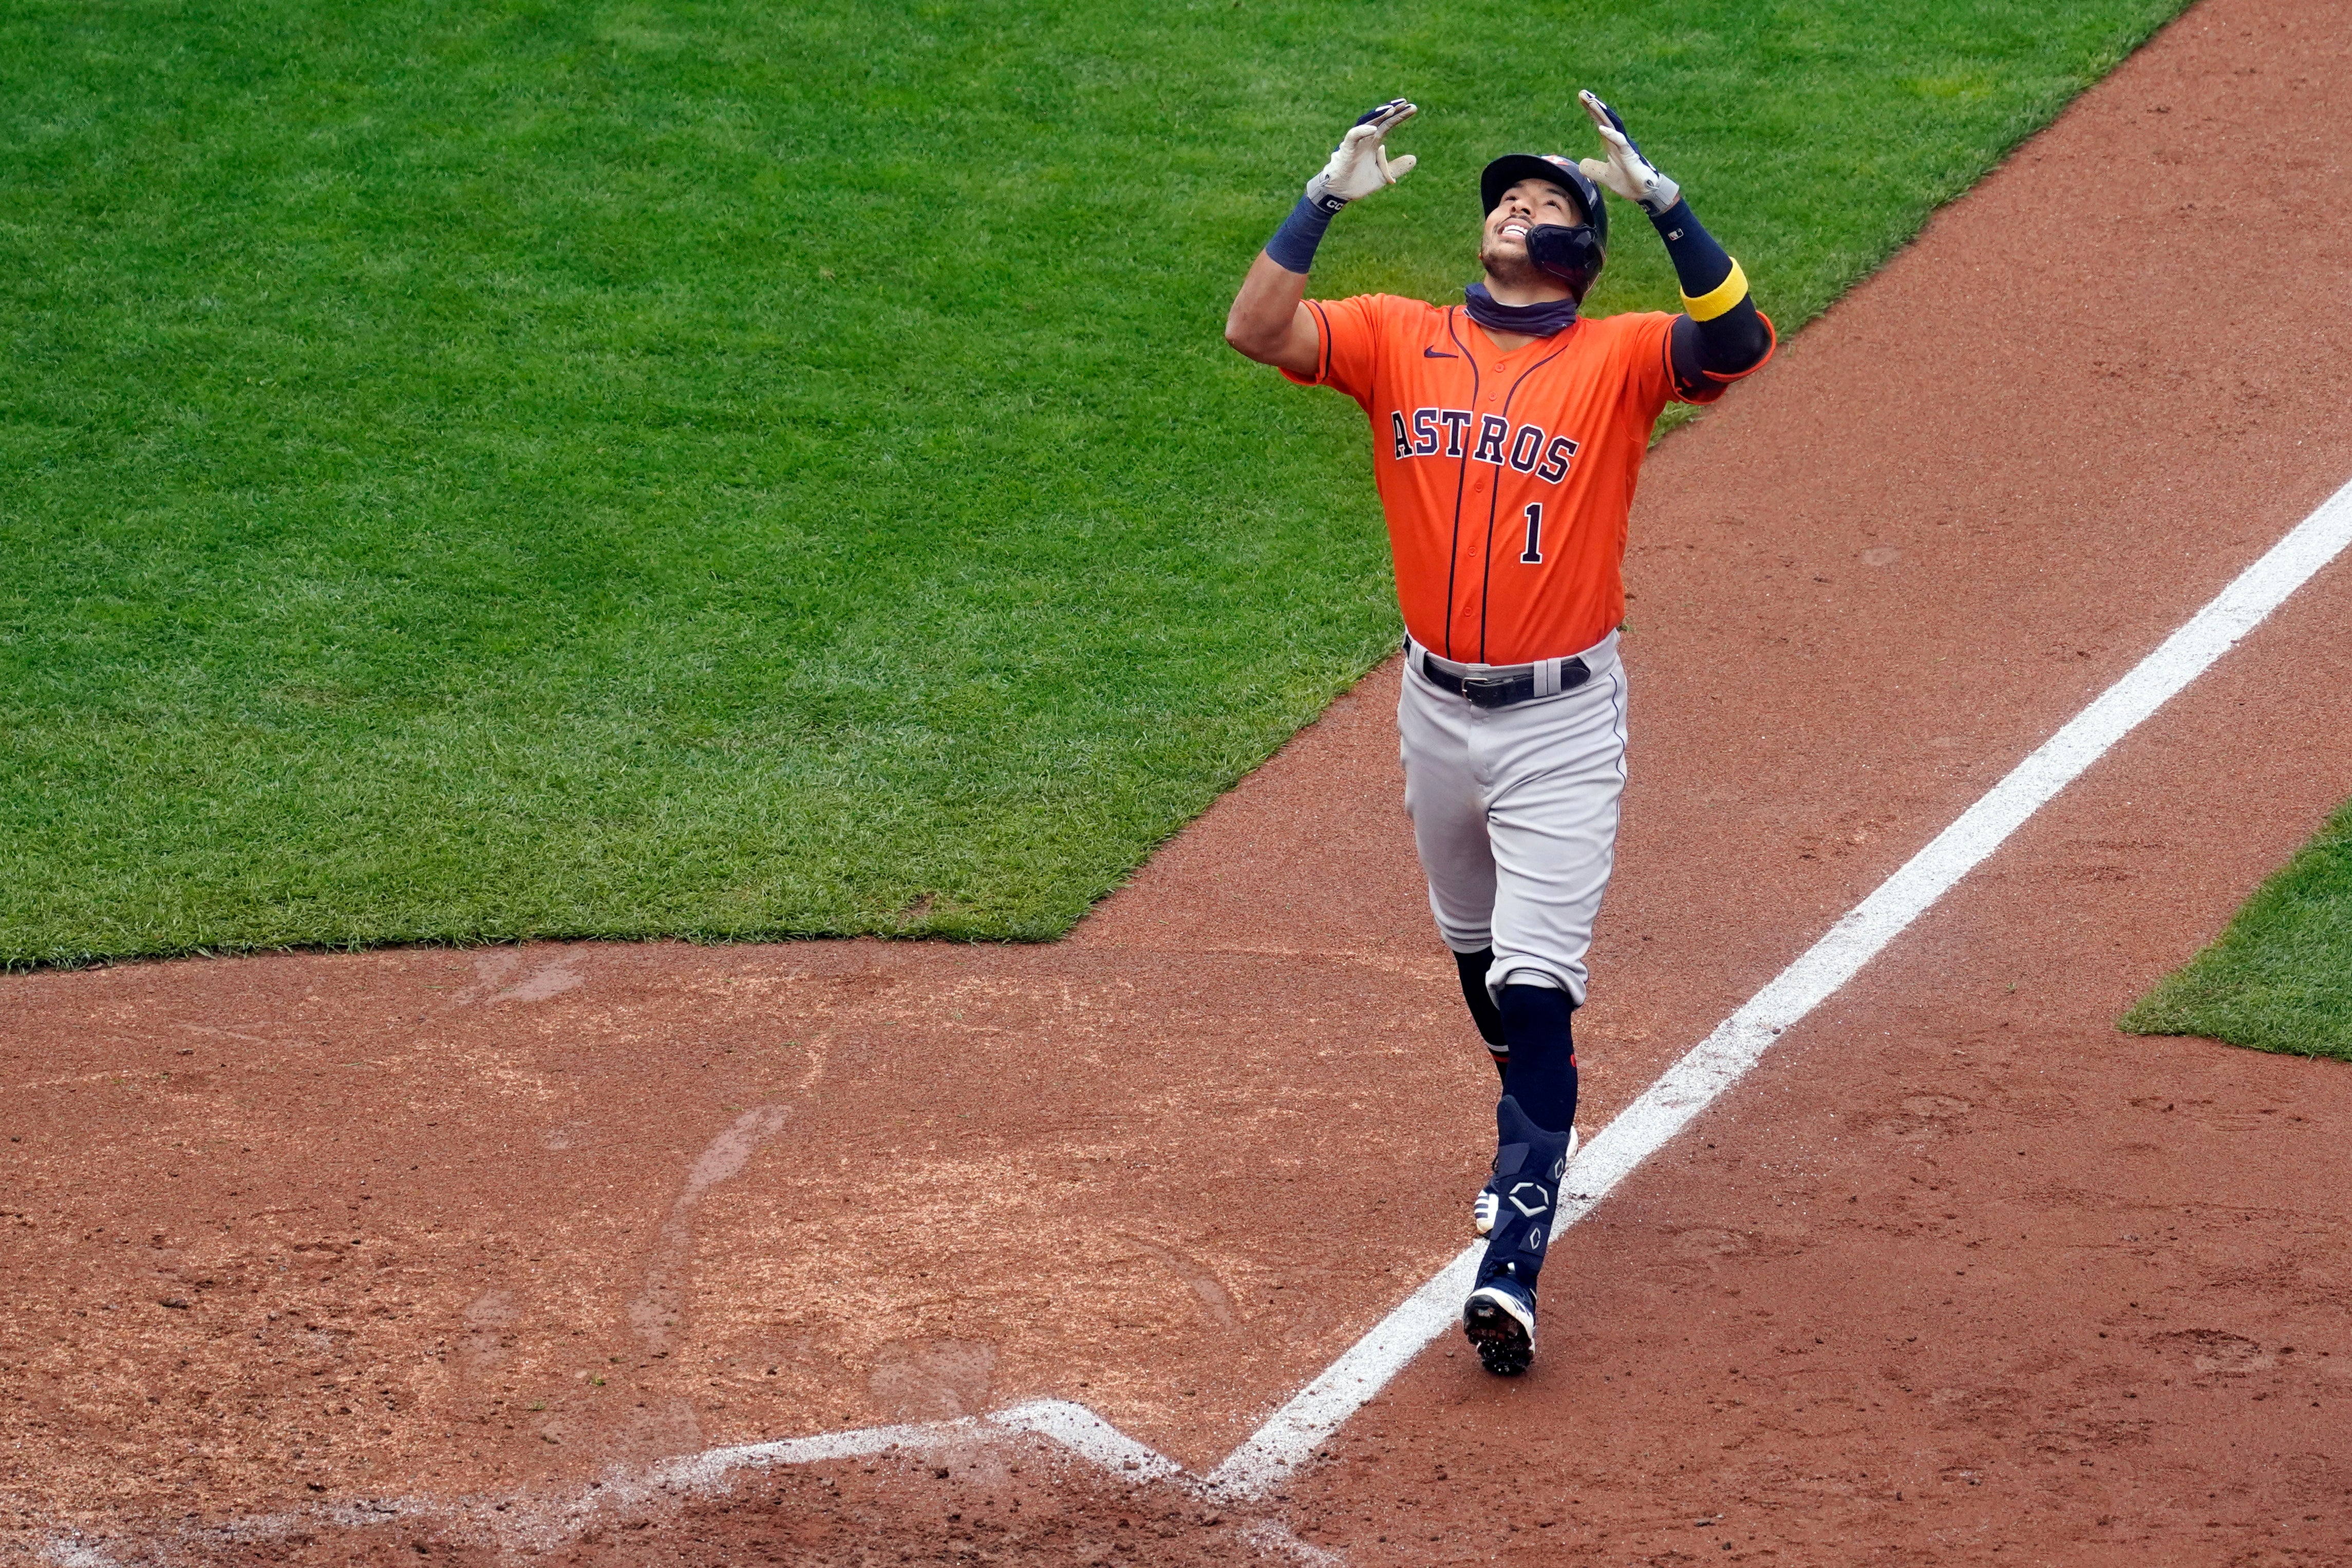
(1487, 691)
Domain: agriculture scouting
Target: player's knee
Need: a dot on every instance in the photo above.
(1540, 975)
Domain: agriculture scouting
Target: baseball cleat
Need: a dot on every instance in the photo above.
(1487, 1206)
(1499, 1320)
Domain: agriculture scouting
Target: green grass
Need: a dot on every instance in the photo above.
(2279, 978)
(693, 467)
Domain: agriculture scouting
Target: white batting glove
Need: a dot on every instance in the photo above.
(1360, 164)
(1625, 170)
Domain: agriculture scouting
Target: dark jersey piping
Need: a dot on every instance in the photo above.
(1461, 478)
(1322, 330)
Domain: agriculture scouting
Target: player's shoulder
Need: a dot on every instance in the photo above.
(1397, 303)
(1632, 326)
(1391, 307)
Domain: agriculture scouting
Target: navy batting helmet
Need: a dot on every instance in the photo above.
(1573, 253)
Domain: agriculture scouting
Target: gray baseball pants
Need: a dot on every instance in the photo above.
(1515, 813)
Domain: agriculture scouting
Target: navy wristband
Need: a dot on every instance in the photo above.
(1292, 248)
(1700, 263)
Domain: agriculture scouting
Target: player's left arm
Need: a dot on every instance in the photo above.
(1720, 336)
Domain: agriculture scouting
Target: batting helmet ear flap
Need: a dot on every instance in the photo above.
(1574, 254)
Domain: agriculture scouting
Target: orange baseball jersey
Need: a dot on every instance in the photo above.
(1506, 478)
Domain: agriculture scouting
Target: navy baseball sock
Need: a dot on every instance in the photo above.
(1542, 1076)
(1483, 1012)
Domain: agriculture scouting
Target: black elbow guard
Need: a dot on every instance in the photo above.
(1734, 342)
(1708, 355)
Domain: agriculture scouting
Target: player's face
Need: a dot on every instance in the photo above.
(1503, 244)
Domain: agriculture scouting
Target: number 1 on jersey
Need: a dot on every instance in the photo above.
(1533, 555)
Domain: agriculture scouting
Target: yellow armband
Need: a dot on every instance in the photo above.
(1719, 298)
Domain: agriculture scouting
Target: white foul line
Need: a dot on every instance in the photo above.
(1719, 1062)
(1293, 1432)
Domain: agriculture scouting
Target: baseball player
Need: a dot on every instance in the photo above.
(1508, 435)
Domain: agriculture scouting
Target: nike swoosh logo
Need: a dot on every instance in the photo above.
(1433, 354)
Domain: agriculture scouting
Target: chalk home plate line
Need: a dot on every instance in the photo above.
(1300, 1427)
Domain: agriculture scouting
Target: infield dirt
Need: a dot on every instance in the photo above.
(1961, 1274)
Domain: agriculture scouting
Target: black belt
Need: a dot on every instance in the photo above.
(1501, 688)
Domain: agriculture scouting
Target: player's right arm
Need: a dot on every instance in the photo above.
(1270, 322)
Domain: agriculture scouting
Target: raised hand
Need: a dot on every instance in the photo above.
(1360, 164)
(1625, 170)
